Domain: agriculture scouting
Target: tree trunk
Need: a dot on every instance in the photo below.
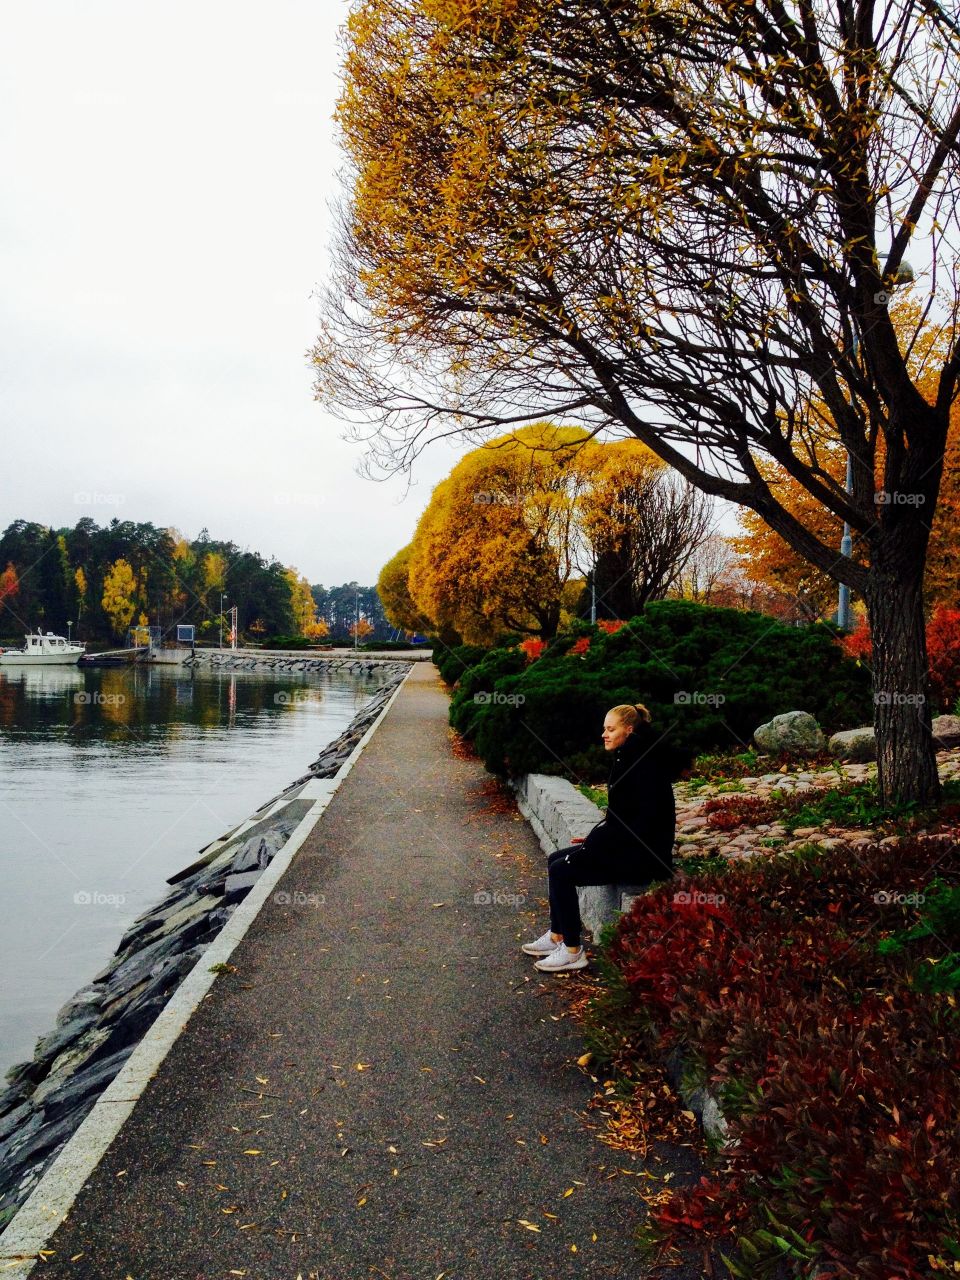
(906, 757)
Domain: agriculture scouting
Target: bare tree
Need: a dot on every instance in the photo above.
(640, 533)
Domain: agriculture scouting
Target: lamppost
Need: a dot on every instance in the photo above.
(904, 276)
(222, 595)
(356, 629)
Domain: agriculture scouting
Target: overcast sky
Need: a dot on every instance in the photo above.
(166, 175)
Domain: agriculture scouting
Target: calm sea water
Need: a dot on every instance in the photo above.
(111, 779)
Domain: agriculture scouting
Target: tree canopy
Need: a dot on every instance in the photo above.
(685, 220)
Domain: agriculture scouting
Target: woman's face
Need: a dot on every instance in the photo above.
(615, 732)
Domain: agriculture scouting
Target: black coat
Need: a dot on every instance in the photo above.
(640, 825)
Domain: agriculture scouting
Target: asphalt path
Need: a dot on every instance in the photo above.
(383, 1086)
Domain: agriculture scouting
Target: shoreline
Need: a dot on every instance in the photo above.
(99, 1029)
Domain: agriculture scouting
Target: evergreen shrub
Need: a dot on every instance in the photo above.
(709, 677)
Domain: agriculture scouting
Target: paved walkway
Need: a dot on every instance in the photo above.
(380, 1089)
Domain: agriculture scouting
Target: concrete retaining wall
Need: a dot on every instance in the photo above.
(561, 815)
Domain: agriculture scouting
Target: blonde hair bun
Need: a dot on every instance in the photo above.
(631, 713)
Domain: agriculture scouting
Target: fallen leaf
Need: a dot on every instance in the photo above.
(531, 1226)
(253, 1152)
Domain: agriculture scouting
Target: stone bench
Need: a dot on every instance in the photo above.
(561, 815)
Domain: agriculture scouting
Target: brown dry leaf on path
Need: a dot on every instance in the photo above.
(460, 747)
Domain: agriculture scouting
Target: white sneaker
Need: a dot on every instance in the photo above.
(562, 960)
(542, 947)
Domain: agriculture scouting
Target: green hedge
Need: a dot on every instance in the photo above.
(678, 658)
(452, 663)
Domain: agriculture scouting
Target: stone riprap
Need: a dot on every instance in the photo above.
(234, 660)
(99, 1027)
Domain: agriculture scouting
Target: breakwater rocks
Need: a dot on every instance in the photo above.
(238, 660)
(96, 1031)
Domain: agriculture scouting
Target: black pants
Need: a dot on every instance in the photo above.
(574, 866)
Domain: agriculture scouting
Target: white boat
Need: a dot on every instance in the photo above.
(43, 650)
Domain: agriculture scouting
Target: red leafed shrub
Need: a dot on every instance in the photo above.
(730, 812)
(852, 1129)
(858, 643)
(610, 625)
(660, 950)
(943, 653)
(579, 647)
(840, 1082)
(532, 647)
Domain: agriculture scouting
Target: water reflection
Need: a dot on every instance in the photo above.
(111, 779)
(146, 704)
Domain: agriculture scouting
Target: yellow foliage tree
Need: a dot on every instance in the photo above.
(393, 589)
(214, 573)
(302, 604)
(184, 562)
(80, 582)
(119, 596)
(496, 545)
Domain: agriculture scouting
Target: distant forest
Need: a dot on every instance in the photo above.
(103, 581)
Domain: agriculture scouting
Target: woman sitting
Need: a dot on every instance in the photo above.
(632, 845)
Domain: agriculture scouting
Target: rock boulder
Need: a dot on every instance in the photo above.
(796, 732)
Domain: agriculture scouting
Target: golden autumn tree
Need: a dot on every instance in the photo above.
(213, 576)
(681, 220)
(359, 630)
(302, 604)
(80, 582)
(496, 544)
(393, 588)
(119, 601)
(184, 565)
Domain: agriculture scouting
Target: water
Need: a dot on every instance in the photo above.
(111, 779)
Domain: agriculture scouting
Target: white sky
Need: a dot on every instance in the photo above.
(165, 179)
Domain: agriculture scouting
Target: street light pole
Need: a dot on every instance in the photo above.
(221, 619)
(846, 546)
